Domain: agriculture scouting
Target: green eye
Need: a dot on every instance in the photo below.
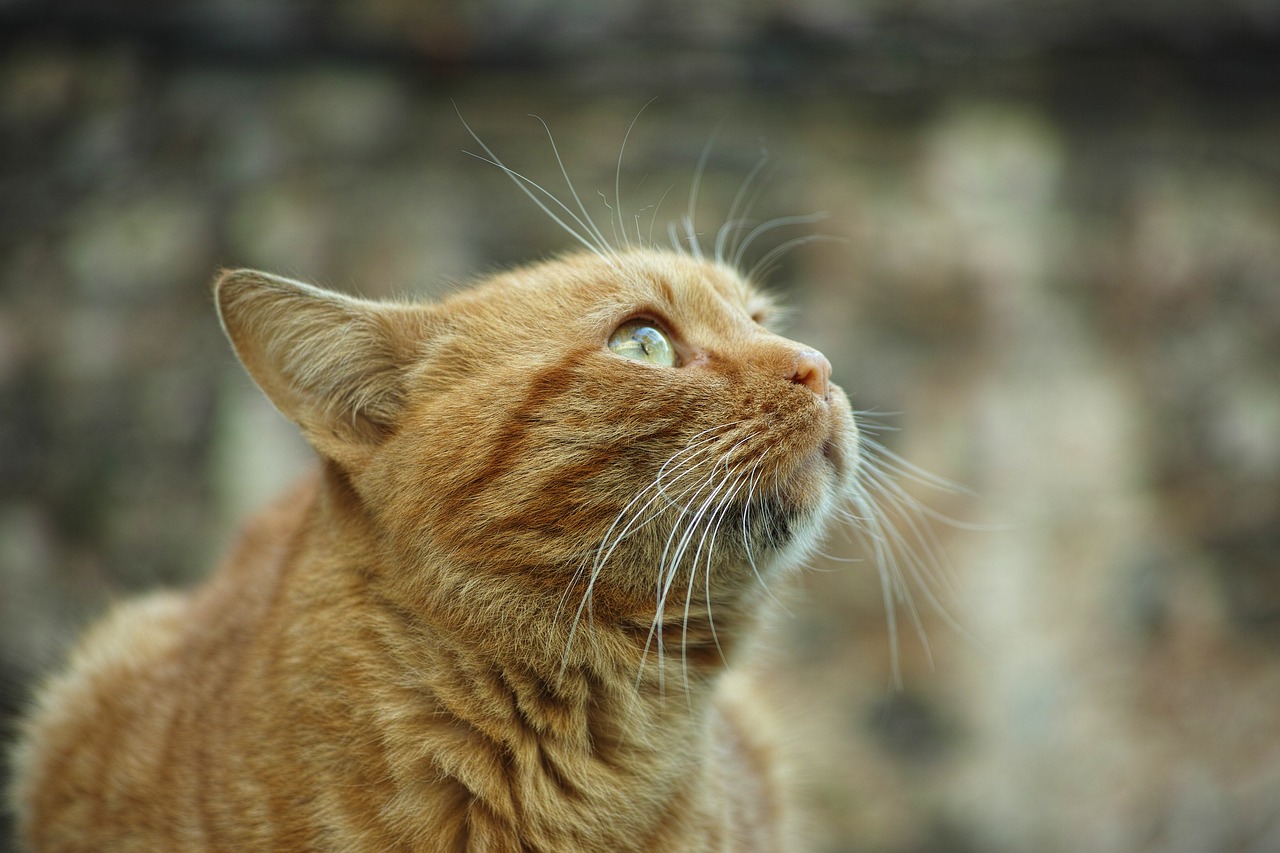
(640, 340)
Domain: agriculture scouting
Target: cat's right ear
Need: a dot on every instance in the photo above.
(334, 365)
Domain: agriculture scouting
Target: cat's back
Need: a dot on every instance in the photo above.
(109, 747)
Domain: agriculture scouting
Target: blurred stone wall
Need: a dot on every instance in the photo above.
(1057, 261)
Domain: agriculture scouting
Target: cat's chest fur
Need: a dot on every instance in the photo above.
(498, 619)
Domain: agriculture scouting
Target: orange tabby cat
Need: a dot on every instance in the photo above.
(548, 512)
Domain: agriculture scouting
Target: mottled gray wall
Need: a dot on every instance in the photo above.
(1057, 264)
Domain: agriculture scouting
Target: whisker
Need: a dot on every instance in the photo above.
(912, 556)
(836, 558)
(671, 559)
(718, 519)
(696, 446)
(922, 562)
(763, 268)
(639, 214)
(694, 188)
(600, 249)
(756, 476)
(670, 563)
(524, 183)
(732, 221)
(700, 519)
(572, 191)
(891, 586)
(746, 524)
(657, 207)
(675, 239)
(715, 518)
(617, 174)
(907, 469)
(666, 573)
(748, 206)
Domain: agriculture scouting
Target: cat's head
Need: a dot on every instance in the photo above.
(624, 428)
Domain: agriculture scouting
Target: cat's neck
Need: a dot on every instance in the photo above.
(483, 681)
(549, 619)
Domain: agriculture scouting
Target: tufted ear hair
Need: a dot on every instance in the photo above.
(335, 365)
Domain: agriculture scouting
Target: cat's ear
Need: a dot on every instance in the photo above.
(332, 364)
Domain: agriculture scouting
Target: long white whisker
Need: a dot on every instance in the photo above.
(617, 174)
(690, 532)
(717, 520)
(890, 583)
(732, 221)
(670, 562)
(660, 486)
(722, 461)
(772, 224)
(694, 187)
(600, 249)
(761, 269)
(524, 183)
(922, 563)
(666, 572)
(756, 475)
(654, 221)
(696, 446)
(904, 468)
(586, 217)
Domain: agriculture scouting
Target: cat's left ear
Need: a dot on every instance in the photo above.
(334, 365)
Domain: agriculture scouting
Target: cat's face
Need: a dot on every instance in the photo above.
(623, 424)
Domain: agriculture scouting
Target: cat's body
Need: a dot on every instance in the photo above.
(448, 639)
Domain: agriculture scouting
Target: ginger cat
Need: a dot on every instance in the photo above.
(548, 515)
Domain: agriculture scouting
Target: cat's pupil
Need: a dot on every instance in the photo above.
(650, 339)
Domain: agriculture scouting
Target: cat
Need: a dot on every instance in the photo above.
(548, 516)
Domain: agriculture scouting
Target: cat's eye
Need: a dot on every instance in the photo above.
(642, 340)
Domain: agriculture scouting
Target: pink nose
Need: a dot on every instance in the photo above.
(812, 370)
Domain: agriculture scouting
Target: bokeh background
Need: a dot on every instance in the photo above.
(1056, 270)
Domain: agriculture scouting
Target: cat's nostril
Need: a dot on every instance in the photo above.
(812, 370)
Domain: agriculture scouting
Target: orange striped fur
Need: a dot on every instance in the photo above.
(449, 639)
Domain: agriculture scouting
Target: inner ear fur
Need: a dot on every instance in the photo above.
(334, 365)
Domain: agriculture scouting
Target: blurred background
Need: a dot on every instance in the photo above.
(1056, 269)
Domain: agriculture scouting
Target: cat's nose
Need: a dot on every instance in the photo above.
(812, 370)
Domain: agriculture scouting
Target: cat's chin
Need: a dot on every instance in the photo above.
(792, 518)
(799, 510)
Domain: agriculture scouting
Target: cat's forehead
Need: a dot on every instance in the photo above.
(668, 280)
(592, 293)
(673, 273)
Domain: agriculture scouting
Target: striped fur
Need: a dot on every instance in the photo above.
(499, 617)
